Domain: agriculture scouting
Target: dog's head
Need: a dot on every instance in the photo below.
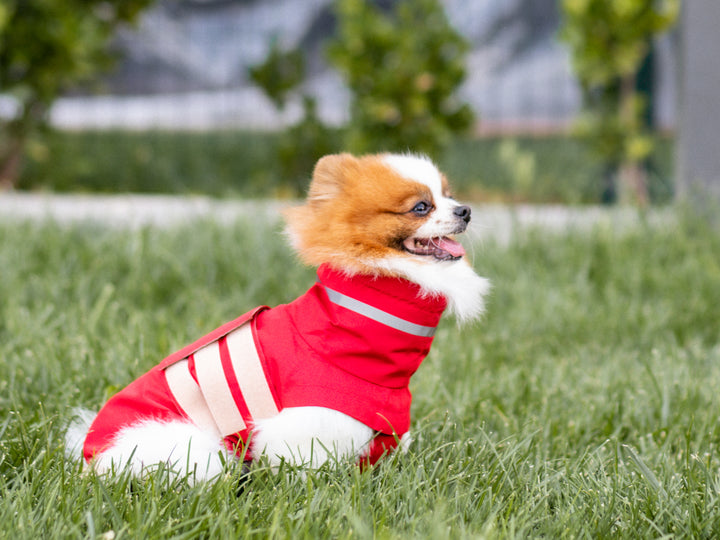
(362, 211)
(387, 214)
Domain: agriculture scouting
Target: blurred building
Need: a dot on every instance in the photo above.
(185, 67)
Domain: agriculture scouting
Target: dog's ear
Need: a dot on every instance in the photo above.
(329, 176)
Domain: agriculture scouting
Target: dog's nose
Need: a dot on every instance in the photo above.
(463, 212)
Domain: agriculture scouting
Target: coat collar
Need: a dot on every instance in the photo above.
(392, 301)
(360, 325)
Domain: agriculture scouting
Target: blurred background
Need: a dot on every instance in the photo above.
(542, 101)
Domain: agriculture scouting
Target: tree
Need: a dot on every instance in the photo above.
(46, 48)
(403, 69)
(280, 76)
(609, 40)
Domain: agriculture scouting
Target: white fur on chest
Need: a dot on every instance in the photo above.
(463, 289)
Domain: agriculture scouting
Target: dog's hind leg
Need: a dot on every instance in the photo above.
(181, 446)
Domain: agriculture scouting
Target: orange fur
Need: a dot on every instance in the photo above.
(358, 210)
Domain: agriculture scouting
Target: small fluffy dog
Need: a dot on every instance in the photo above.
(327, 375)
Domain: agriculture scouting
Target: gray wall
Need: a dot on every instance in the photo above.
(698, 170)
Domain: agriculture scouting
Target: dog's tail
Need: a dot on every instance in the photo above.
(77, 431)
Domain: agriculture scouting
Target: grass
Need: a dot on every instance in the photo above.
(247, 164)
(586, 403)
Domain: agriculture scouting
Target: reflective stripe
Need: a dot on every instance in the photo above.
(250, 374)
(215, 389)
(211, 405)
(188, 395)
(378, 315)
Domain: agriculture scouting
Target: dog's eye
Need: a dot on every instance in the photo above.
(422, 208)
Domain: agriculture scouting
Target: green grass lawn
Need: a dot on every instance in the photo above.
(585, 404)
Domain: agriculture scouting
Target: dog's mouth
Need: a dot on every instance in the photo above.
(443, 248)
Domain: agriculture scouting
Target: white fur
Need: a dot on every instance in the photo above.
(301, 436)
(309, 436)
(77, 431)
(418, 168)
(463, 289)
(441, 221)
(184, 448)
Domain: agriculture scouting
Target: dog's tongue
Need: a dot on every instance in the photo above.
(453, 247)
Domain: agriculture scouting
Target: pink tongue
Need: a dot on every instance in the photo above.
(453, 247)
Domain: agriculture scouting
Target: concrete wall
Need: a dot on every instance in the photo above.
(698, 170)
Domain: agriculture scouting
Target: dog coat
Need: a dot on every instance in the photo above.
(349, 344)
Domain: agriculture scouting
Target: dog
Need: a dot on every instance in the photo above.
(326, 376)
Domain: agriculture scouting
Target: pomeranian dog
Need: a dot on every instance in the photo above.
(325, 377)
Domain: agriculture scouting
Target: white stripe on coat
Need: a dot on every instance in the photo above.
(215, 389)
(250, 374)
(188, 395)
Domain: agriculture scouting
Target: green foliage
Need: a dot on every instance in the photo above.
(253, 164)
(46, 47)
(584, 405)
(403, 70)
(609, 40)
(303, 144)
(280, 73)
(217, 163)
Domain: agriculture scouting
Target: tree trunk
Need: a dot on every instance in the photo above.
(11, 162)
(632, 176)
(16, 134)
(633, 183)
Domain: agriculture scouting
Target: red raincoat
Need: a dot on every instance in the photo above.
(349, 344)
